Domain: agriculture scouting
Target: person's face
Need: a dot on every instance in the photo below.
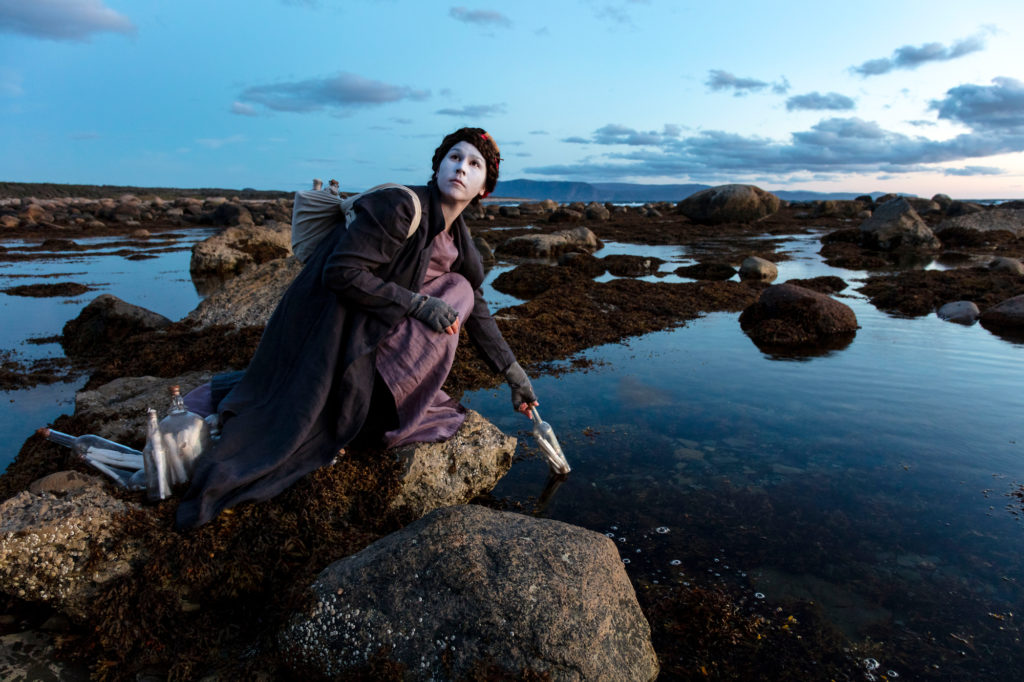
(462, 173)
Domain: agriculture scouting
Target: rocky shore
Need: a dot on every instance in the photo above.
(376, 567)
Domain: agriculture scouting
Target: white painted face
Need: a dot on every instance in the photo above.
(462, 173)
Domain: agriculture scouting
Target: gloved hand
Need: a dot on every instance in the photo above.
(522, 391)
(433, 312)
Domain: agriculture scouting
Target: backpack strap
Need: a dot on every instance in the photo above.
(348, 205)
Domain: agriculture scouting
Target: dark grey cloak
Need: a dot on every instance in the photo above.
(306, 392)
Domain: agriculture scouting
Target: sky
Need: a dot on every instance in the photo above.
(905, 96)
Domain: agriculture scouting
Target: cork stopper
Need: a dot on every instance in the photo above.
(44, 432)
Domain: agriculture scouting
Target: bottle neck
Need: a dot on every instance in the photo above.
(58, 438)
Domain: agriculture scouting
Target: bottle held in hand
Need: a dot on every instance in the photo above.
(548, 443)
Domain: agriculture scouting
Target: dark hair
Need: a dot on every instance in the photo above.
(479, 138)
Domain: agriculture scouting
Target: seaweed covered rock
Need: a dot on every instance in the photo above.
(468, 588)
(729, 204)
(551, 245)
(996, 219)
(248, 299)
(105, 321)
(895, 224)
(786, 314)
(239, 248)
(57, 545)
(623, 265)
(530, 279)
(711, 271)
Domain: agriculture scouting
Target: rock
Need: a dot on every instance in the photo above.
(598, 212)
(1006, 315)
(9, 221)
(508, 211)
(237, 249)
(584, 263)
(958, 208)
(531, 208)
(117, 409)
(141, 234)
(758, 268)
(248, 299)
(631, 266)
(565, 215)
(708, 271)
(485, 250)
(886, 198)
(63, 482)
(437, 475)
(532, 279)
(62, 550)
(943, 200)
(551, 245)
(1004, 264)
(786, 314)
(962, 312)
(826, 284)
(32, 656)
(924, 206)
(549, 205)
(839, 207)
(997, 219)
(895, 224)
(468, 587)
(105, 321)
(729, 204)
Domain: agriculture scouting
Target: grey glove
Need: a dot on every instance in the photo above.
(522, 391)
(433, 312)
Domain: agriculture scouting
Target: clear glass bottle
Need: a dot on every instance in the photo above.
(158, 485)
(117, 461)
(186, 436)
(548, 443)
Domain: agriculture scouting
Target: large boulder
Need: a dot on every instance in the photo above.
(997, 219)
(467, 588)
(105, 321)
(237, 249)
(729, 204)
(62, 545)
(1004, 264)
(436, 475)
(755, 267)
(896, 225)
(1006, 315)
(786, 314)
(551, 245)
(248, 299)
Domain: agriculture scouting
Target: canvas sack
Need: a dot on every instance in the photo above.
(316, 212)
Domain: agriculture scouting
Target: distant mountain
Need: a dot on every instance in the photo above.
(630, 192)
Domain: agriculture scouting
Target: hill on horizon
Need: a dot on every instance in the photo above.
(562, 190)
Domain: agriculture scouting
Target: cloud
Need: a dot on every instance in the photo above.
(75, 20)
(998, 108)
(11, 83)
(968, 171)
(539, 132)
(815, 101)
(243, 109)
(474, 110)
(343, 91)
(911, 57)
(217, 143)
(719, 80)
(613, 134)
(576, 140)
(481, 17)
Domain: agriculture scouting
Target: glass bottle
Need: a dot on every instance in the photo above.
(117, 461)
(158, 486)
(186, 435)
(548, 443)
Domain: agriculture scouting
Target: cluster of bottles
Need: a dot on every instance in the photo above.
(173, 445)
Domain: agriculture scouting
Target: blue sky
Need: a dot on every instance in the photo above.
(916, 97)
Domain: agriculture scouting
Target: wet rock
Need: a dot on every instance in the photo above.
(434, 475)
(709, 271)
(786, 314)
(248, 299)
(895, 224)
(631, 266)
(237, 249)
(961, 312)
(1004, 264)
(31, 656)
(758, 268)
(997, 219)
(63, 289)
(959, 208)
(826, 284)
(551, 245)
(62, 550)
(729, 204)
(1006, 315)
(841, 208)
(924, 206)
(530, 279)
(467, 586)
(508, 211)
(117, 410)
(921, 292)
(584, 263)
(485, 250)
(943, 200)
(596, 211)
(105, 321)
(565, 215)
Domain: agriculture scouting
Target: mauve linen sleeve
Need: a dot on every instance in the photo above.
(372, 239)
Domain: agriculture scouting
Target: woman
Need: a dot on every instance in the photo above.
(361, 342)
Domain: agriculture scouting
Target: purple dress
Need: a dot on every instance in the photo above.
(414, 360)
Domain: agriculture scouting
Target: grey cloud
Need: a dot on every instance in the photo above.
(243, 109)
(911, 57)
(719, 80)
(815, 101)
(480, 16)
(74, 20)
(998, 108)
(539, 132)
(342, 91)
(967, 171)
(474, 110)
(576, 140)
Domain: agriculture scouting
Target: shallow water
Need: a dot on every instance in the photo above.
(873, 479)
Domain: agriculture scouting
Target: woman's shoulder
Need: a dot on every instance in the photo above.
(392, 203)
